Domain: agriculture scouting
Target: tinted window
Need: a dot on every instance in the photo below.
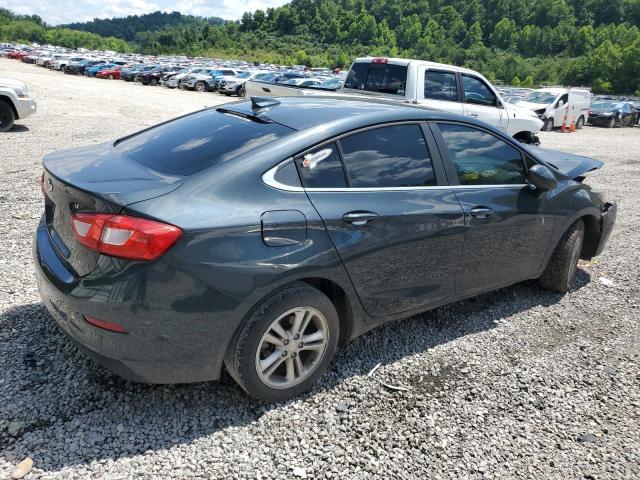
(189, 144)
(476, 91)
(377, 77)
(388, 157)
(440, 86)
(482, 159)
(322, 168)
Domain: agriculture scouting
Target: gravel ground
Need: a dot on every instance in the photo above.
(519, 383)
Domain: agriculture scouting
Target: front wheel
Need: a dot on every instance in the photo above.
(110, 77)
(564, 260)
(201, 86)
(7, 117)
(548, 125)
(580, 123)
(285, 345)
(611, 123)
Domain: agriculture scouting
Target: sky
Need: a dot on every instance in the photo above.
(55, 12)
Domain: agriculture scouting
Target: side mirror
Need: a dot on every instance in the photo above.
(542, 178)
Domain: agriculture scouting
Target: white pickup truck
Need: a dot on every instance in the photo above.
(432, 85)
(14, 102)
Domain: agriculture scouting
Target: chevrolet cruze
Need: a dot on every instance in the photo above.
(260, 235)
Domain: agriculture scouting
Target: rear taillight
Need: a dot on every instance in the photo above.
(123, 236)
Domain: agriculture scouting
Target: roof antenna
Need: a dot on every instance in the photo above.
(263, 102)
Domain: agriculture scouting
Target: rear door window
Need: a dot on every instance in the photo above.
(440, 86)
(322, 168)
(394, 156)
(189, 144)
(377, 77)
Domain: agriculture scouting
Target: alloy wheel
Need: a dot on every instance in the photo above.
(292, 347)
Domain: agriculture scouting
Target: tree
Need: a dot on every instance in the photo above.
(409, 31)
(504, 35)
(527, 82)
(515, 81)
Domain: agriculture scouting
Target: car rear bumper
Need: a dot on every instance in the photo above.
(25, 106)
(607, 223)
(168, 340)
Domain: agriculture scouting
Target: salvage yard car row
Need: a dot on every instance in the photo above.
(199, 74)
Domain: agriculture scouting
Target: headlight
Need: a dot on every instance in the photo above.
(230, 84)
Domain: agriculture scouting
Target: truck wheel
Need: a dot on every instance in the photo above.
(285, 345)
(201, 86)
(564, 260)
(548, 125)
(7, 117)
(580, 123)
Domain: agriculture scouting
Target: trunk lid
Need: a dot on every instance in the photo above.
(93, 179)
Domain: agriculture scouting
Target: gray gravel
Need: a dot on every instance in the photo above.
(519, 383)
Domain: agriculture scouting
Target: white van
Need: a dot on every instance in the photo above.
(551, 104)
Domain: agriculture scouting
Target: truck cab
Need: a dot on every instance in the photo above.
(442, 87)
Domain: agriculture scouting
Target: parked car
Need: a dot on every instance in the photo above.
(173, 80)
(15, 102)
(552, 103)
(78, 68)
(433, 85)
(234, 236)
(205, 82)
(152, 76)
(93, 71)
(62, 63)
(610, 113)
(129, 74)
(110, 73)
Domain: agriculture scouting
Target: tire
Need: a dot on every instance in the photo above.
(580, 123)
(154, 82)
(238, 91)
(250, 346)
(201, 86)
(110, 77)
(564, 260)
(7, 117)
(548, 125)
(611, 123)
(242, 91)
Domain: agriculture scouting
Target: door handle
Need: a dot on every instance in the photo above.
(359, 218)
(474, 115)
(481, 212)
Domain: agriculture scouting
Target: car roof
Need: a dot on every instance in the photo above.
(302, 113)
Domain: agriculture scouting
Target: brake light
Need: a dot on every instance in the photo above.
(123, 236)
(380, 60)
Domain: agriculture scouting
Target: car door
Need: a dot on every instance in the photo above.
(439, 90)
(508, 228)
(396, 225)
(561, 108)
(481, 102)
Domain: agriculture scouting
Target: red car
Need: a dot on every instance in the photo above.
(18, 54)
(110, 73)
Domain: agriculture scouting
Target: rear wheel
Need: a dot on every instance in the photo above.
(285, 345)
(110, 76)
(564, 260)
(580, 123)
(154, 82)
(7, 117)
(201, 86)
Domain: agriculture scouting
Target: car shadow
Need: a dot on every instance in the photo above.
(61, 409)
(18, 128)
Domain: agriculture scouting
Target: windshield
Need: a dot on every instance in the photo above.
(189, 144)
(605, 105)
(540, 97)
(243, 75)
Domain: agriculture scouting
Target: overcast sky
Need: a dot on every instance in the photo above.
(55, 12)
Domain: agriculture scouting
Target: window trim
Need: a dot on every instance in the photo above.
(432, 148)
(448, 162)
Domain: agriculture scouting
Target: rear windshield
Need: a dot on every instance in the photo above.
(377, 77)
(193, 143)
